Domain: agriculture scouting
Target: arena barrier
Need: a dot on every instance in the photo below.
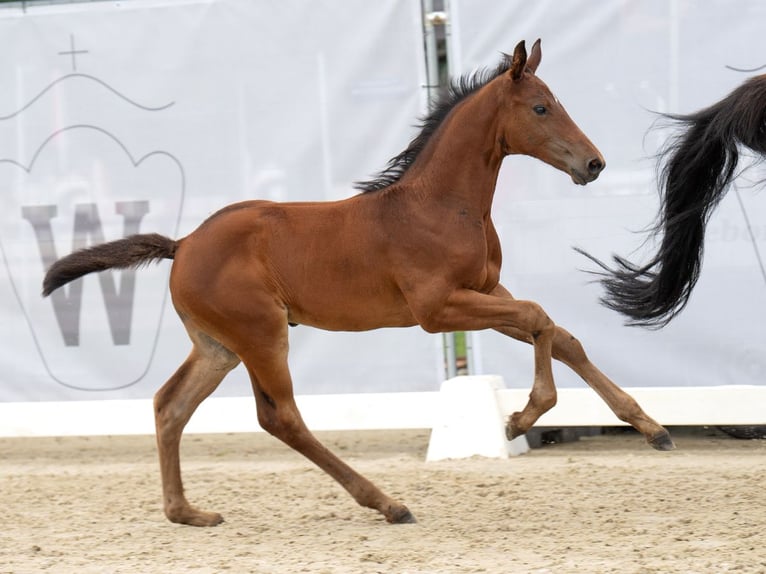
(466, 416)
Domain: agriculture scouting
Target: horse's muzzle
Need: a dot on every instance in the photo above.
(592, 170)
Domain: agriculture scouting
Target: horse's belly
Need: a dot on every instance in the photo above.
(344, 315)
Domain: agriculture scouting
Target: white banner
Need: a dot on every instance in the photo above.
(612, 64)
(147, 116)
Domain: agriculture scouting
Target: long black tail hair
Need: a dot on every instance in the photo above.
(130, 252)
(696, 170)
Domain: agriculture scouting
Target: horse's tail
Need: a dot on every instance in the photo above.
(697, 168)
(130, 252)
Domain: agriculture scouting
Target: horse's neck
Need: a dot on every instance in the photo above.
(461, 162)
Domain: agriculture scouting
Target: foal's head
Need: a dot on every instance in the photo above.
(534, 123)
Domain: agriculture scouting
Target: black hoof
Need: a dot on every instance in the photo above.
(403, 516)
(662, 441)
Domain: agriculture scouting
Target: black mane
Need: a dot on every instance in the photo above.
(457, 91)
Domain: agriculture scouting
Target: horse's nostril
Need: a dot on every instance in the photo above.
(595, 166)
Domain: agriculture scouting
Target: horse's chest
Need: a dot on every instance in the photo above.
(479, 263)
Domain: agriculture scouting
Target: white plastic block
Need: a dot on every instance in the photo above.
(469, 421)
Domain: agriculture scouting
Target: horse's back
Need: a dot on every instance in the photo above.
(318, 261)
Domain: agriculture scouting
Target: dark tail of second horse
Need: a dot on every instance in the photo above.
(698, 167)
(133, 251)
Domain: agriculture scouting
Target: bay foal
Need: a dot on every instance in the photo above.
(418, 247)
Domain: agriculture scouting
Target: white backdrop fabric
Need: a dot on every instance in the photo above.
(151, 115)
(612, 64)
(118, 117)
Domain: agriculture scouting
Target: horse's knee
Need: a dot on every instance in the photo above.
(627, 409)
(535, 320)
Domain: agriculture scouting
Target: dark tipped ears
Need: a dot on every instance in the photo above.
(535, 54)
(519, 62)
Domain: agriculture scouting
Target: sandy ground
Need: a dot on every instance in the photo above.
(602, 504)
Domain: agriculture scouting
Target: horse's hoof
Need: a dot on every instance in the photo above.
(215, 519)
(511, 430)
(662, 441)
(194, 517)
(402, 516)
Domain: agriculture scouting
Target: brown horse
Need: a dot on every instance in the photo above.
(418, 248)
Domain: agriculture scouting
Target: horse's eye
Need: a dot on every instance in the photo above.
(540, 110)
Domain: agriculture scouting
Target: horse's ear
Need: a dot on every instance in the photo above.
(519, 62)
(534, 56)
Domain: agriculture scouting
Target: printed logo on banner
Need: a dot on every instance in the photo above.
(82, 186)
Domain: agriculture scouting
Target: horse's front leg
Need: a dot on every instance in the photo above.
(542, 397)
(567, 349)
(467, 310)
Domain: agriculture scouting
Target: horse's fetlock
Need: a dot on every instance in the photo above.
(544, 401)
(628, 412)
(175, 511)
(548, 401)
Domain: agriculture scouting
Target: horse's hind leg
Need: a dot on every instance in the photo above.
(207, 365)
(279, 416)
